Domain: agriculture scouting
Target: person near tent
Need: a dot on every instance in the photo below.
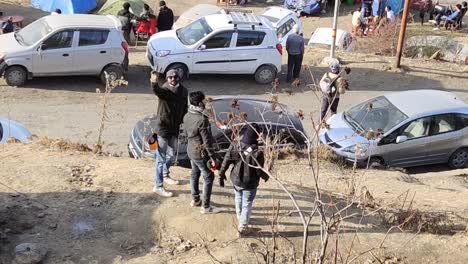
(165, 17)
(126, 17)
(389, 19)
(426, 7)
(56, 11)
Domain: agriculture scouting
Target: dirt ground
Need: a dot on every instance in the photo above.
(86, 208)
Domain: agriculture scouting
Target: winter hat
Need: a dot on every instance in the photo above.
(335, 66)
(172, 73)
(250, 135)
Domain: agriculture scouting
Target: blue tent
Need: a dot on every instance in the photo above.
(67, 6)
(396, 5)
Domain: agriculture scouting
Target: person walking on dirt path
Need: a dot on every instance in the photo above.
(245, 175)
(332, 86)
(295, 49)
(165, 17)
(200, 151)
(172, 107)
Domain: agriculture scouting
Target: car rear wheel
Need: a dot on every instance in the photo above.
(181, 69)
(265, 74)
(459, 159)
(16, 76)
(113, 71)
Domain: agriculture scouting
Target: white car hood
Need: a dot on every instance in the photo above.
(166, 40)
(341, 133)
(8, 44)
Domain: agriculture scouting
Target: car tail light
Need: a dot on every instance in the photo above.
(125, 47)
(279, 47)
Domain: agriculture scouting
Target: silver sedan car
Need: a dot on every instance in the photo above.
(402, 129)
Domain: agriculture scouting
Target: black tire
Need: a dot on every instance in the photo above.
(459, 159)
(16, 76)
(376, 163)
(265, 74)
(115, 73)
(182, 69)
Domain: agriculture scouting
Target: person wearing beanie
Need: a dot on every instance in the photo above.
(332, 85)
(200, 151)
(172, 107)
(246, 173)
(165, 17)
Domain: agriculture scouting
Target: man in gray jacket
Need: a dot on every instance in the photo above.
(295, 48)
(172, 107)
(200, 151)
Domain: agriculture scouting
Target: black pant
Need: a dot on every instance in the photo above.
(327, 103)
(294, 66)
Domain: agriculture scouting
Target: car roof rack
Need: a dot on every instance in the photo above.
(241, 18)
(237, 9)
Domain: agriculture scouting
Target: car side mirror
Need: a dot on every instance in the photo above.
(43, 46)
(401, 139)
(202, 47)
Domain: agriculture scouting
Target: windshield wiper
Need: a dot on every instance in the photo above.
(353, 123)
(19, 38)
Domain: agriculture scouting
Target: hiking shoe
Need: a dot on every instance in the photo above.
(243, 231)
(162, 192)
(210, 210)
(170, 181)
(194, 203)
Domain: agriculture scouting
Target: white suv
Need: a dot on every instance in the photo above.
(235, 43)
(64, 45)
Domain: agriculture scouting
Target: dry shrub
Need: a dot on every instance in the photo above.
(384, 42)
(12, 140)
(326, 154)
(63, 144)
(292, 152)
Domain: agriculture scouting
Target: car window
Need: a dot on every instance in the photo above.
(462, 121)
(193, 32)
(285, 28)
(93, 37)
(417, 128)
(33, 32)
(221, 40)
(59, 40)
(249, 38)
(443, 124)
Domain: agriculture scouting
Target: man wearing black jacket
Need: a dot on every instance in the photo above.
(172, 107)
(165, 17)
(246, 173)
(200, 151)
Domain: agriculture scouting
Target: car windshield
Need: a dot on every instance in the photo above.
(33, 32)
(193, 32)
(272, 19)
(376, 114)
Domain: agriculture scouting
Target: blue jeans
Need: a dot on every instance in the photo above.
(164, 155)
(244, 201)
(199, 168)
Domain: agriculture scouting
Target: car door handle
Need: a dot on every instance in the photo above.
(65, 54)
(103, 51)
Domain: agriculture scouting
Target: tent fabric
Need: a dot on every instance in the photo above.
(112, 7)
(396, 5)
(66, 6)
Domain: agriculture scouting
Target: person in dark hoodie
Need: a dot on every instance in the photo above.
(172, 107)
(125, 17)
(200, 151)
(246, 173)
(165, 17)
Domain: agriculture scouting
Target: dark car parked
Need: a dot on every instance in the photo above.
(273, 118)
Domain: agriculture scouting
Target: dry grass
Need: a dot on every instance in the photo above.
(63, 144)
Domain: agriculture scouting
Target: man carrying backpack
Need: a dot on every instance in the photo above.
(245, 178)
(332, 85)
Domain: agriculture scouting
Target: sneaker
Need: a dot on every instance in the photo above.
(195, 204)
(162, 192)
(210, 210)
(170, 181)
(243, 231)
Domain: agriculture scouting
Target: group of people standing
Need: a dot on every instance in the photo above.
(164, 19)
(443, 15)
(176, 108)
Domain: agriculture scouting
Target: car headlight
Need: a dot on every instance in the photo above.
(360, 149)
(163, 53)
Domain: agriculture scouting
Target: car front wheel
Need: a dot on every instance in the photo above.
(265, 74)
(459, 159)
(16, 76)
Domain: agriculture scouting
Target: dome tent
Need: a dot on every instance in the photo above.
(66, 6)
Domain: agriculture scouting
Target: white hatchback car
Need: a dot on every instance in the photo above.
(235, 43)
(283, 20)
(64, 45)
